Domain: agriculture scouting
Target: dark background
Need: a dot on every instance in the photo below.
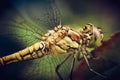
(103, 13)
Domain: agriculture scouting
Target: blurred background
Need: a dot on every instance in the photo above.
(19, 17)
(102, 13)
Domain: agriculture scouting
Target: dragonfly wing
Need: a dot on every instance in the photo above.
(44, 68)
(25, 23)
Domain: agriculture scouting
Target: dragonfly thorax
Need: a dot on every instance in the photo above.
(63, 38)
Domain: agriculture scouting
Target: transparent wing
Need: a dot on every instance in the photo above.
(30, 20)
(22, 25)
(44, 68)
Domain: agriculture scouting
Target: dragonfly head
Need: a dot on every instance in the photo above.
(92, 35)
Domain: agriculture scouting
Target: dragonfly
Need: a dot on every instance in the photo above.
(60, 40)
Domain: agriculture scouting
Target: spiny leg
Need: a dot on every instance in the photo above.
(78, 54)
(88, 64)
(72, 67)
(59, 65)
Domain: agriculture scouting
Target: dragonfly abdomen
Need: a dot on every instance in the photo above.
(32, 52)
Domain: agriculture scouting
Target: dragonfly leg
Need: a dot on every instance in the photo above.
(78, 54)
(72, 67)
(88, 64)
(59, 65)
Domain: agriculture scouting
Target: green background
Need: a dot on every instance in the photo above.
(21, 20)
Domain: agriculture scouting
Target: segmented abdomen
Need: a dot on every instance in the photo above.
(59, 40)
(31, 52)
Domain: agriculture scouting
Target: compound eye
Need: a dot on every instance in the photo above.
(85, 27)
